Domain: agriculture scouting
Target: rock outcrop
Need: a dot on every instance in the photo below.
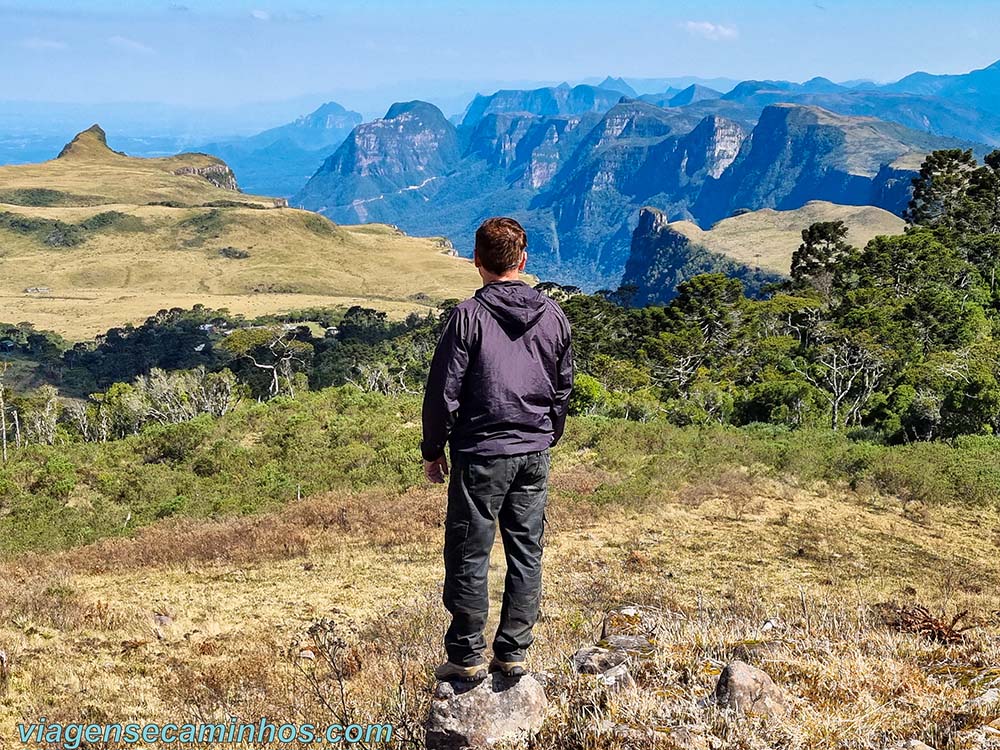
(478, 715)
(661, 257)
(218, 174)
(748, 690)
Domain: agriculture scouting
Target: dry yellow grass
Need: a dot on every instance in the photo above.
(714, 562)
(168, 256)
(767, 238)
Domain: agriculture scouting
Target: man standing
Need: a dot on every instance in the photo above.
(498, 390)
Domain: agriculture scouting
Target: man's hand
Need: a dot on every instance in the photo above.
(436, 470)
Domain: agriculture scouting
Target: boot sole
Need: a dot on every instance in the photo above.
(477, 676)
(518, 671)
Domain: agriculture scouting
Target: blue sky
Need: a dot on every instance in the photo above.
(195, 53)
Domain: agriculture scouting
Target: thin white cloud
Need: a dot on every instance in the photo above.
(715, 32)
(43, 45)
(130, 45)
(294, 16)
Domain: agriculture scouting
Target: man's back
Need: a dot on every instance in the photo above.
(504, 369)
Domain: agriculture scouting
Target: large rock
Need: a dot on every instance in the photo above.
(478, 715)
(749, 690)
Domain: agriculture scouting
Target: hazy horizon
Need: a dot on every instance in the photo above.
(196, 54)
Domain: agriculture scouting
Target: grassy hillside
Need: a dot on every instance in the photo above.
(767, 238)
(112, 239)
(742, 543)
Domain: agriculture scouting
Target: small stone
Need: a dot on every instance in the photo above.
(617, 678)
(749, 690)
(634, 645)
(597, 660)
(475, 715)
(307, 654)
(163, 619)
(983, 702)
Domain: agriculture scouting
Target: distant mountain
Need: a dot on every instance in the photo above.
(619, 85)
(678, 83)
(797, 154)
(674, 98)
(279, 161)
(932, 114)
(578, 180)
(693, 93)
(978, 88)
(558, 100)
(413, 145)
(755, 247)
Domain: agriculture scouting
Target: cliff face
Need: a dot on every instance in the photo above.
(632, 157)
(413, 145)
(797, 154)
(578, 180)
(660, 258)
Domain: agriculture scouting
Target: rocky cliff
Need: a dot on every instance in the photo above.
(413, 145)
(796, 154)
(219, 175)
(661, 257)
(577, 180)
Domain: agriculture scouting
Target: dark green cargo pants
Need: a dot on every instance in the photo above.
(511, 490)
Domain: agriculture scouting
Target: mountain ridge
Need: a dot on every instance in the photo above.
(577, 181)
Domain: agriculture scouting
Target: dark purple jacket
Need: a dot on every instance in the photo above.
(501, 375)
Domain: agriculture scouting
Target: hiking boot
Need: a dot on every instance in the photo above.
(509, 668)
(451, 671)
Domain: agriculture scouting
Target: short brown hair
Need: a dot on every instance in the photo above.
(500, 244)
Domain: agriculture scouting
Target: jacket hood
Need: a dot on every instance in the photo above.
(514, 304)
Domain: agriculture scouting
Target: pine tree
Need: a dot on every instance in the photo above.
(823, 246)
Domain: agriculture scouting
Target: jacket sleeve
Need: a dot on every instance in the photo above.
(564, 387)
(444, 384)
